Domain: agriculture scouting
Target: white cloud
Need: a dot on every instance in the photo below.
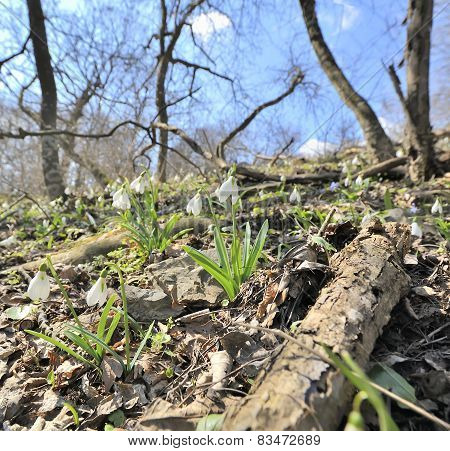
(314, 147)
(350, 14)
(206, 24)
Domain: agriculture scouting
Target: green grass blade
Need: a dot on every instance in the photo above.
(222, 252)
(103, 318)
(141, 346)
(112, 327)
(84, 345)
(101, 343)
(213, 268)
(60, 345)
(256, 251)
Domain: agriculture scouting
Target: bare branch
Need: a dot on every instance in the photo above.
(297, 79)
(199, 67)
(14, 55)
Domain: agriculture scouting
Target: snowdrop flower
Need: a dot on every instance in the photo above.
(67, 191)
(294, 198)
(334, 186)
(121, 199)
(91, 219)
(399, 153)
(437, 207)
(416, 230)
(140, 184)
(359, 180)
(347, 182)
(46, 223)
(283, 179)
(355, 161)
(8, 242)
(97, 294)
(366, 218)
(194, 206)
(345, 168)
(78, 204)
(413, 209)
(227, 189)
(64, 220)
(39, 288)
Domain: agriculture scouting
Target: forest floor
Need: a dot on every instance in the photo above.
(195, 332)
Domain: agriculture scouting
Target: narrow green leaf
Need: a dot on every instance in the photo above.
(84, 345)
(213, 268)
(142, 344)
(222, 252)
(256, 251)
(60, 345)
(101, 343)
(104, 318)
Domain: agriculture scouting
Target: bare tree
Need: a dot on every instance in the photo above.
(377, 140)
(49, 144)
(416, 105)
(167, 42)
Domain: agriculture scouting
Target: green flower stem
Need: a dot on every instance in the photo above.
(125, 314)
(63, 291)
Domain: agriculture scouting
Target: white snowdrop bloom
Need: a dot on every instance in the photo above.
(194, 206)
(121, 200)
(97, 294)
(39, 288)
(347, 182)
(399, 153)
(416, 230)
(140, 184)
(295, 198)
(355, 161)
(227, 189)
(91, 219)
(67, 191)
(359, 180)
(64, 220)
(366, 218)
(45, 223)
(78, 203)
(283, 179)
(345, 168)
(8, 242)
(437, 207)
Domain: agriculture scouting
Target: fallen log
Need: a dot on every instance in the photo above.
(299, 391)
(379, 168)
(85, 249)
(384, 166)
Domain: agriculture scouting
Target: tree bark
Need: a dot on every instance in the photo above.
(377, 140)
(417, 55)
(299, 391)
(49, 144)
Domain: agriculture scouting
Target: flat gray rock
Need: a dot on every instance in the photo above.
(176, 282)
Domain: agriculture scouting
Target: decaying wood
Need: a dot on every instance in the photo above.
(384, 166)
(85, 249)
(375, 169)
(302, 392)
(81, 251)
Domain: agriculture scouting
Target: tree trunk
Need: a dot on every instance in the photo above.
(417, 55)
(377, 140)
(49, 144)
(161, 170)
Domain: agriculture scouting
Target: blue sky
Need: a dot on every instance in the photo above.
(258, 45)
